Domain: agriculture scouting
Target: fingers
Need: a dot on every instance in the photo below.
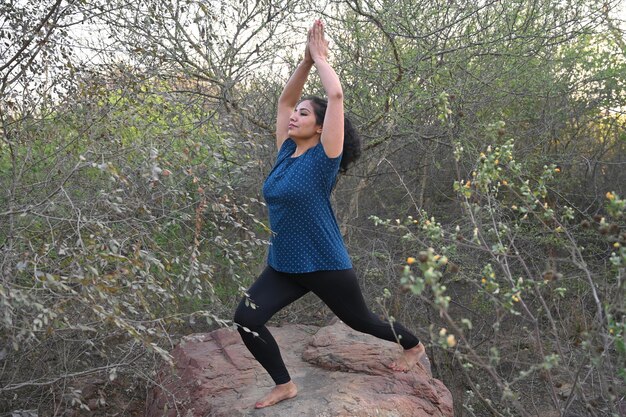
(317, 30)
(320, 30)
(308, 42)
(317, 35)
(316, 42)
(319, 26)
(313, 32)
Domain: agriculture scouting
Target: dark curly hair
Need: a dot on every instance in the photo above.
(351, 139)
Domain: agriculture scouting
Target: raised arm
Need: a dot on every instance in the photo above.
(332, 130)
(290, 96)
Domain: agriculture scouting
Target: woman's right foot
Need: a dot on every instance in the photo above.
(408, 359)
(279, 393)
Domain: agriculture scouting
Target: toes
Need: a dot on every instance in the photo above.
(394, 366)
(263, 404)
(274, 398)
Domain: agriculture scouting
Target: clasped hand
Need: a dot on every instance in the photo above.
(316, 46)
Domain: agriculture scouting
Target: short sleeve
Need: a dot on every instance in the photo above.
(329, 166)
(286, 150)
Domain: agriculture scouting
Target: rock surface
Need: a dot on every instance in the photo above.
(339, 372)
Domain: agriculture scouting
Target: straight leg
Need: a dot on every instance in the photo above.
(340, 291)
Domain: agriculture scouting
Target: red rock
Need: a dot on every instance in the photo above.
(339, 373)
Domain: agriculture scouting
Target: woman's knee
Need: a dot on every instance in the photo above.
(245, 316)
(241, 315)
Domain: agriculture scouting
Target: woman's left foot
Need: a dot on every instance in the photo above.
(408, 359)
(279, 393)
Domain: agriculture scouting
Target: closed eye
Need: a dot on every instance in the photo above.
(303, 111)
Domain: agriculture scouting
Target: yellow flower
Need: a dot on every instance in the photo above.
(484, 280)
(515, 298)
(443, 332)
(616, 245)
(468, 184)
(557, 170)
(410, 260)
(610, 196)
(505, 182)
(451, 340)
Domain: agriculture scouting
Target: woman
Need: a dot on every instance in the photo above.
(307, 252)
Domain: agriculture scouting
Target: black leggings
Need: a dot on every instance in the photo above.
(340, 290)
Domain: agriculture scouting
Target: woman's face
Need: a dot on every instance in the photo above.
(302, 123)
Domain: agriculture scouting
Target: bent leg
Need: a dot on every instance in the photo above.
(270, 292)
(340, 291)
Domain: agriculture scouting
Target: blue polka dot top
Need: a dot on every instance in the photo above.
(305, 235)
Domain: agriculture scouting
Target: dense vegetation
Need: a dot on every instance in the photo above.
(487, 211)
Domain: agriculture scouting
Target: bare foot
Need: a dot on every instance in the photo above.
(408, 359)
(279, 393)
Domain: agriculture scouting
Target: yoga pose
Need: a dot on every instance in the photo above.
(307, 252)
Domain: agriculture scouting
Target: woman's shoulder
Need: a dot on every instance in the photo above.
(287, 143)
(287, 147)
(321, 153)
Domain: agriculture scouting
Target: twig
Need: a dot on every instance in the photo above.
(14, 387)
